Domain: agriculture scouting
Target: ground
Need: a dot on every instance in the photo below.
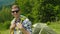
(54, 26)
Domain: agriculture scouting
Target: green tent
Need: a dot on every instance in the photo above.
(42, 28)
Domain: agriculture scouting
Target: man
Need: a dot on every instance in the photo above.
(20, 24)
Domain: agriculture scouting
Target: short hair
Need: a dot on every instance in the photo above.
(15, 6)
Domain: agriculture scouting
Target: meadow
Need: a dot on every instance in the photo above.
(54, 26)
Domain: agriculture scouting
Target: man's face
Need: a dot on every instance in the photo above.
(15, 12)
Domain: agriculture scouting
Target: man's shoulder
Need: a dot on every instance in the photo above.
(22, 17)
(13, 21)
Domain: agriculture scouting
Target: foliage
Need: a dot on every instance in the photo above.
(35, 10)
(40, 10)
(5, 14)
(5, 25)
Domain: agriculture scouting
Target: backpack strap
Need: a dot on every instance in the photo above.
(22, 18)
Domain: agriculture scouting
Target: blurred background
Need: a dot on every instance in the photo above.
(38, 11)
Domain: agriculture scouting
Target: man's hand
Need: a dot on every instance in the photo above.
(19, 25)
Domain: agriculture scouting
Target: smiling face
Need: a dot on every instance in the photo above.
(15, 11)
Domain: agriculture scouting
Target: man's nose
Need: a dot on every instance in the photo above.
(14, 12)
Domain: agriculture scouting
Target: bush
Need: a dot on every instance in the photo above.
(5, 25)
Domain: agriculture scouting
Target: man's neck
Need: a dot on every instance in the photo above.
(17, 18)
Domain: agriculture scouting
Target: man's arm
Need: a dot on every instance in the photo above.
(23, 29)
(12, 28)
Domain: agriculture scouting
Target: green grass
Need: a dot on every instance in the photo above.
(55, 27)
(4, 32)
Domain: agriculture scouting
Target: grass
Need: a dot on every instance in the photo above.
(4, 32)
(54, 26)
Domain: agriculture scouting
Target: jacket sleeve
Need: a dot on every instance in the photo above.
(27, 25)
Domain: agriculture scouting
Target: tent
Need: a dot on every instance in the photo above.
(42, 28)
